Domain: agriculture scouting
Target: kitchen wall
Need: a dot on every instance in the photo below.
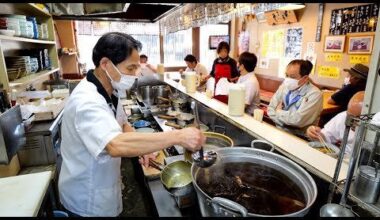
(307, 19)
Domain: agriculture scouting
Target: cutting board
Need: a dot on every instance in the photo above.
(153, 173)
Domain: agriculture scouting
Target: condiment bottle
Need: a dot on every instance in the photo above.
(13, 97)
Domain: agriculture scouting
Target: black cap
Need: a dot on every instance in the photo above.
(358, 70)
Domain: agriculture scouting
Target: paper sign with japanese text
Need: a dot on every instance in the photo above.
(333, 57)
(359, 59)
(329, 72)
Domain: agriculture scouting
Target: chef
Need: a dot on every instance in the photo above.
(93, 140)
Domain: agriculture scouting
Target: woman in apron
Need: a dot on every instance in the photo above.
(224, 66)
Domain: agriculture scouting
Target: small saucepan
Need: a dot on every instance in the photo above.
(177, 180)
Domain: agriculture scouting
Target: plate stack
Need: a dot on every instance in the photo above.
(9, 23)
(22, 24)
(35, 27)
(43, 31)
(33, 64)
(17, 66)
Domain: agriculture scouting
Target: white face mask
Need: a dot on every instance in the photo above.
(346, 80)
(125, 83)
(290, 83)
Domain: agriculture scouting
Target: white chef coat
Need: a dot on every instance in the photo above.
(90, 181)
(333, 131)
(300, 114)
(252, 91)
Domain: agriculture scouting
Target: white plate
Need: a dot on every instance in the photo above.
(7, 32)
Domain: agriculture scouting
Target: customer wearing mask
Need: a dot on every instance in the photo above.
(223, 67)
(333, 131)
(297, 103)
(355, 82)
(93, 140)
(246, 65)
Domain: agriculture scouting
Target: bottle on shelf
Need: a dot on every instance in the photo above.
(13, 97)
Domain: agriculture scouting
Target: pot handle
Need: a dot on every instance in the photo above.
(263, 142)
(230, 205)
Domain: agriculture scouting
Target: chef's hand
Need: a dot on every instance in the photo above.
(144, 160)
(191, 138)
(313, 132)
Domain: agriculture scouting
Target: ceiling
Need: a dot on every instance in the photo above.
(131, 12)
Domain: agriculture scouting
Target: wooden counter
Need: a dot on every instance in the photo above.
(293, 147)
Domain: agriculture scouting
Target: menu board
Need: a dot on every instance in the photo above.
(354, 19)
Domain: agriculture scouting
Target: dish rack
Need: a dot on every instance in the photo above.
(365, 147)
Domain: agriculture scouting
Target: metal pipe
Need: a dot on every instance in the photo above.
(358, 140)
(339, 163)
(374, 150)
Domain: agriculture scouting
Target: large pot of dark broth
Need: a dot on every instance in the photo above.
(253, 182)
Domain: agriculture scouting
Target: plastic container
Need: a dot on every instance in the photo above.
(191, 82)
(236, 100)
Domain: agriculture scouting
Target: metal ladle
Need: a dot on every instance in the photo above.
(340, 210)
(202, 159)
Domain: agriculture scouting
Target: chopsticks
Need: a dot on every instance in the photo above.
(325, 146)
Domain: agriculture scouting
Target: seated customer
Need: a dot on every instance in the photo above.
(145, 67)
(333, 131)
(193, 65)
(297, 103)
(246, 64)
(357, 82)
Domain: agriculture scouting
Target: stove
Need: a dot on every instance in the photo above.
(156, 124)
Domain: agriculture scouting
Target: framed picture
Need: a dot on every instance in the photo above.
(334, 43)
(360, 45)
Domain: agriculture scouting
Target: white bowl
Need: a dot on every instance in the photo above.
(8, 32)
(335, 149)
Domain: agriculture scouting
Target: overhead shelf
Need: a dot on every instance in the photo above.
(28, 40)
(32, 77)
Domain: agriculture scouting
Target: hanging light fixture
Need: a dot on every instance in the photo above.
(291, 6)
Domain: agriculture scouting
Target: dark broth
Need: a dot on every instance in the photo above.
(260, 189)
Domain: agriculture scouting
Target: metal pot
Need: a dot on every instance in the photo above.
(218, 206)
(176, 178)
(160, 91)
(213, 141)
(367, 184)
(147, 94)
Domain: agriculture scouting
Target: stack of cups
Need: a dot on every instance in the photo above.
(160, 71)
(236, 100)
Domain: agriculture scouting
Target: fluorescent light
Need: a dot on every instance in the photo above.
(291, 6)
